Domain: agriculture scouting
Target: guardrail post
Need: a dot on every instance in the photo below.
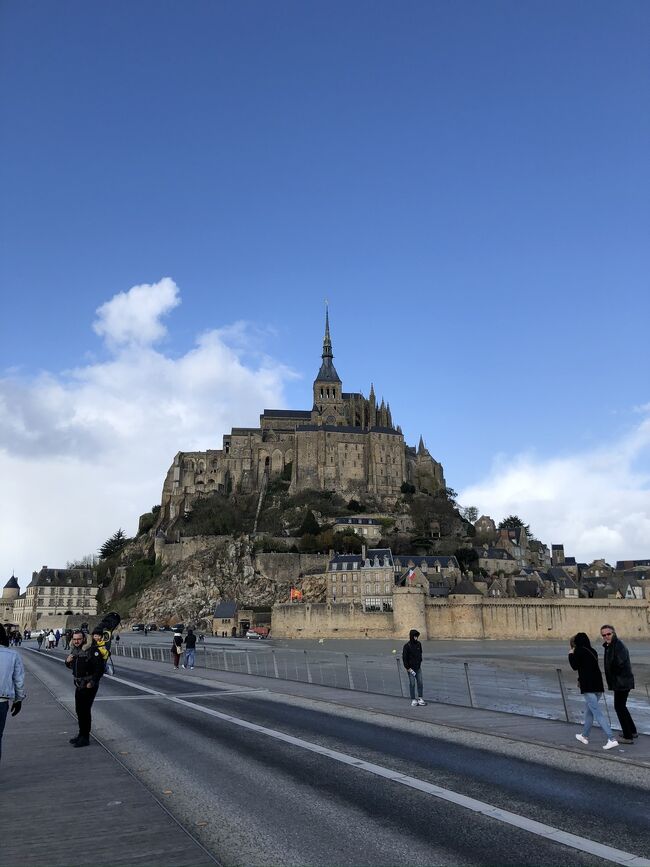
(248, 663)
(349, 671)
(563, 694)
(225, 662)
(399, 676)
(309, 678)
(469, 685)
(275, 664)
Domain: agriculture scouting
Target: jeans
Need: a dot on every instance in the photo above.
(83, 701)
(190, 653)
(623, 714)
(4, 707)
(413, 680)
(593, 711)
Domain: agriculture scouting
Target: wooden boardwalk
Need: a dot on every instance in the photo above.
(60, 806)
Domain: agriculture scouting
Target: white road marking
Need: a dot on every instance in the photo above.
(582, 844)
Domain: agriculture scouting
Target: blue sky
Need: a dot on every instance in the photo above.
(467, 183)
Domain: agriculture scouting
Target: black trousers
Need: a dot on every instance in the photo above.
(623, 714)
(83, 701)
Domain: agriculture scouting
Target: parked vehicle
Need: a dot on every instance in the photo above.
(164, 628)
(138, 627)
(152, 627)
(179, 627)
(253, 634)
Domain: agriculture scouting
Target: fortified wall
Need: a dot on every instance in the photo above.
(464, 617)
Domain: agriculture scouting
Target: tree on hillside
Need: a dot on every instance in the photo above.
(467, 560)
(113, 546)
(514, 521)
(309, 526)
(470, 513)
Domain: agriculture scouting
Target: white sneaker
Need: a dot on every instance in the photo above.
(582, 739)
(414, 703)
(422, 702)
(610, 745)
(182, 666)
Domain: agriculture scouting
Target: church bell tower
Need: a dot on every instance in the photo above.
(328, 405)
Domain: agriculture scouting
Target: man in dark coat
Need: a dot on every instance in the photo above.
(412, 660)
(87, 666)
(618, 673)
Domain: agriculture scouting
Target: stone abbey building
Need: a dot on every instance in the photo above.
(344, 443)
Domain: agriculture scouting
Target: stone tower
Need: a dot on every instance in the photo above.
(328, 407)
(10, 593)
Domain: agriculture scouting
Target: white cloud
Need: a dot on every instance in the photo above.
(134, 316)
(596, 503)
(86, 451)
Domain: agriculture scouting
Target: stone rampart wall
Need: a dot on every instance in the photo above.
(465, 617)
(321, 620)
(173, 552)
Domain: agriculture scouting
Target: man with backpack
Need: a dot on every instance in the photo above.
(87, 664)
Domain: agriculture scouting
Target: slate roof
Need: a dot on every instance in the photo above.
(286, 413)
(465, 587)
(225, 609)
(630, 564)
(12, 584)
(417, 560)
(494, 554)
(570, 561)
(527, 589)
(384, 554)
(63, 577)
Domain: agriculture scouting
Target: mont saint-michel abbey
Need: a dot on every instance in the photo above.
(345, 443)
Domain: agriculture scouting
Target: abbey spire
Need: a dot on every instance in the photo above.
(329, 407)
(327, 372)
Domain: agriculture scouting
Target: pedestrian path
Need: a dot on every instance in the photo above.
(79, 806)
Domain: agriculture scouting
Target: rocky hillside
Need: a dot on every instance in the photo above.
(259, 571)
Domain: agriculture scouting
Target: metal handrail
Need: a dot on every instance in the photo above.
(544, 693)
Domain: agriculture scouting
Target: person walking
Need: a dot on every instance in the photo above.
(412, 660)
(51, 638)
(190, 649)
(584, 659)
(57, 638)
(39, 640)
(12, 682)
(177, 649)
(87, 666)
(620, 679)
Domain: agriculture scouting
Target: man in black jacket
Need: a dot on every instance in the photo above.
(618, 673)
(190, 649)
(87, 666)
(412, 660)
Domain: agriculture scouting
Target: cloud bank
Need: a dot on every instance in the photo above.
(85, 451)
(597, 503)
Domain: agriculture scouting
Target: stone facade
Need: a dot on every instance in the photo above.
(345, 443)
(51, 593)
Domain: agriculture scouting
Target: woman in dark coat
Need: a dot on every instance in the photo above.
(177, 649)
(584, 659)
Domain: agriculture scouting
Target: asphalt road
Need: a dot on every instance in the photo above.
(269, 779)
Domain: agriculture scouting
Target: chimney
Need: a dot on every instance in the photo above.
(363, 552)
